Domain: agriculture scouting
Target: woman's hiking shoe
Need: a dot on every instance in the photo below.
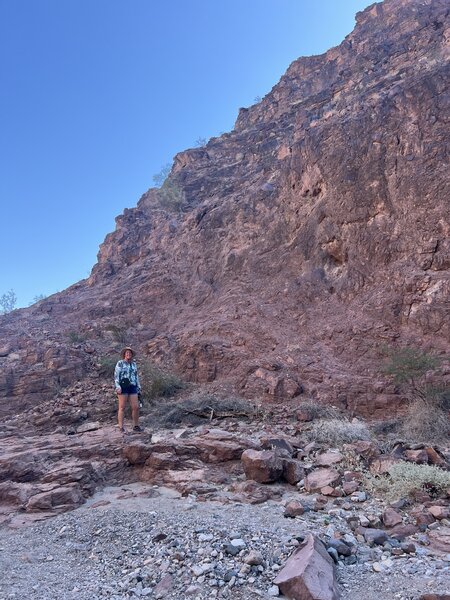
(137, 429)
(122, 429)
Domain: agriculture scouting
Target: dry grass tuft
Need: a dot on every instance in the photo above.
(201, 408)
(426, 423)
(313, 410)
(335, 432)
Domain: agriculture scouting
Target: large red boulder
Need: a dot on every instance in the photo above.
(263, 466)
(309, 573)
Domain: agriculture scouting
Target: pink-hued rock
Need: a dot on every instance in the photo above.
(164, 586)
(434, 458)
(401, 532)
(308, 573)
(365, 448)
(439, 512)
(264, 466)
(321, 478)
(294, 508)
(328, 490)
(349, 487)
(327, 459)
(439, 540)
(251, 492)
(391, 518)
(137, 452)
(68, 497)
(416, 456)
(382, 464)
(422, 515)
(279, 443)
(293, 471)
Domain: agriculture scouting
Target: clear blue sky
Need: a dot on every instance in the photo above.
(96, 96)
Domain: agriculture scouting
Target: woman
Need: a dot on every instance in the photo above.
(126, 381)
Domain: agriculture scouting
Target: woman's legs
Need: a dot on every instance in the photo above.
(122, 398)
(134, 408)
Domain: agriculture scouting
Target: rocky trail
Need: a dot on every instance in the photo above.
(211, 511)
(145, 541)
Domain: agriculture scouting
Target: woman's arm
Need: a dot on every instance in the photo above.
(117, 374)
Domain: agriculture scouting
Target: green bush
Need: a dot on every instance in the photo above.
(119, 332)
(156, 382)
(404, 478)
(418, 375)
(106, 366)
(171, 196)
(8, 302)
(75, 337)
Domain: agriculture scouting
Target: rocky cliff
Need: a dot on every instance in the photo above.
(281, 257)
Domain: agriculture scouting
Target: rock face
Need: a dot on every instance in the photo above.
(281, 256)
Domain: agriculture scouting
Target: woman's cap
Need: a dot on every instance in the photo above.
(125, 349)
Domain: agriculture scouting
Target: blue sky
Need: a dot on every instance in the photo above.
(96, 96)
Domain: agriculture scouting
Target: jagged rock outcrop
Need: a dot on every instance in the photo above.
(279, 258)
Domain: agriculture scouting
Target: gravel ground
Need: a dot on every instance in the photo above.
(175, 548)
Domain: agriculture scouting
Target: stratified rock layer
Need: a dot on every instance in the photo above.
(279, 258)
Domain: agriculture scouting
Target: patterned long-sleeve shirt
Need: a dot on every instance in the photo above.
(127, 370)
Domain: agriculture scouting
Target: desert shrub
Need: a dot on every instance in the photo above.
(106, 366)
(8, 302)
(171, 195)
(313, 410)
(37, 299)
(335, 432)
(75, 337)
(426, 422)
(409, 365)
(386, 427)
(404, 478)
(156, 382)
(200, 407)
(419, 377)
(119, 332)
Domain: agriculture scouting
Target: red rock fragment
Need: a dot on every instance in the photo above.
(349, 487)
(439, 512)
(137, 452)
(321, 478)
(419, 457)
(309, 573)
(263, 466)
(293, 471)
(391, 518)
(294, 509)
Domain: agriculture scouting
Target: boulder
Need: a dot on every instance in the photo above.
(373, 536)
(391, 518)
(137, 452)
(309, 573)
(67, 497)
(263, 466)
(321, 478)
(273, 443)
(439, 512)
(327, 459)
(419, 457)
(293, 471)
(294, 508)
(349, 487)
